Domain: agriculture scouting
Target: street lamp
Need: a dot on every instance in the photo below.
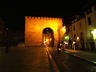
(64, 29)
(67, 38)
(94, 33)
(78, 39)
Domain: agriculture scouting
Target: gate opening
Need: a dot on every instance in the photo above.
(48, 37)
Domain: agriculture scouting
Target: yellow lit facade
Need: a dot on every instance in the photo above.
(34, 27)
(94, 34)
(84, 28)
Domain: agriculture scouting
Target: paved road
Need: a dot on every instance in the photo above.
(67, 63)
(33, 59)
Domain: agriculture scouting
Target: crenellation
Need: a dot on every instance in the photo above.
(49, 18)
(35, 26)
(26, 17)
(39, 18)
(43, 18)
(33, 18)
(52, 18)
(29, 17)
(55, 18)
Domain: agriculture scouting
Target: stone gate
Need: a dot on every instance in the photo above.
(34, 27)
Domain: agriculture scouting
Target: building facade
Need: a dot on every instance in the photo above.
(84, 28)
(34, 27)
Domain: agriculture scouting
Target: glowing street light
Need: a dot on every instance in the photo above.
(94, 33)
(78, 38)
(73, 42)
(66, 38)
(64, 29)
(50, 39)
(47, 40)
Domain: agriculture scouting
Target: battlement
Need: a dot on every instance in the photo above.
(34, 27)
(42, 18)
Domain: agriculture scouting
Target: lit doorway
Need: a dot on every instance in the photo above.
(48, 37)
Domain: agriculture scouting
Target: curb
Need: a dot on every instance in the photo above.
(80, 58)
(52, 60)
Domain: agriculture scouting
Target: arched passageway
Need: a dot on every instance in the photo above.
(35, 30)
(48, 37)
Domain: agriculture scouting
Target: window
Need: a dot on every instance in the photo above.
(89, 21)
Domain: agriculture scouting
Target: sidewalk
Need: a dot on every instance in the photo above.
(88, 56)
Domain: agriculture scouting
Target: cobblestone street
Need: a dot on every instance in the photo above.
(32, 59)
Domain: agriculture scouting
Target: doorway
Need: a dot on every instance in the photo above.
(48, 37)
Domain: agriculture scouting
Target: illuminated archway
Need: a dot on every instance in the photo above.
(48, 37)
(34, 27)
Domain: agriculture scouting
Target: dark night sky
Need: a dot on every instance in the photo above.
(66, 9)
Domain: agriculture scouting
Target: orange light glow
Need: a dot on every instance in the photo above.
(64, 29)
(74, 42)
(47, 40)
(78, 38)
(47, 49)
(34, 27)
(50, 39)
